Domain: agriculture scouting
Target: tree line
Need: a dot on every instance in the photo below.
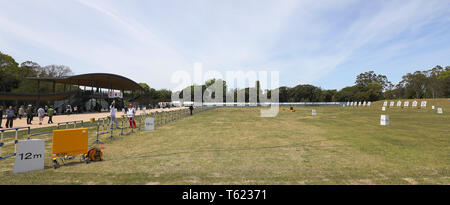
(368, 86)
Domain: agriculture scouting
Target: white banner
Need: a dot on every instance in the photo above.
(112, 94)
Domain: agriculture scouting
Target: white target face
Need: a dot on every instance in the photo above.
(149, 123)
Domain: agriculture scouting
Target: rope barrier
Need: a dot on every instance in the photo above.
(160, 118)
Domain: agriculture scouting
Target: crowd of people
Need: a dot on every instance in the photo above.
(11, 114)
(48, 111)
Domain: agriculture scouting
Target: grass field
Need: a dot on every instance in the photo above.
(236, 146)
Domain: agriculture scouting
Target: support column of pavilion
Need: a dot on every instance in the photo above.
(39, 95)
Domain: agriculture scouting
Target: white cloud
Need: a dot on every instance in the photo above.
(371, 29)
(147, 41)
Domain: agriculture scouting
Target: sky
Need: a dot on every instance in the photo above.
(326, 43)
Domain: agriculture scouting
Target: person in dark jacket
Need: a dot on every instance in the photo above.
(191, 108)
(29, 114)
(1, 116)
(9, 117)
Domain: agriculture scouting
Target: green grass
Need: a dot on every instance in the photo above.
(236, 146)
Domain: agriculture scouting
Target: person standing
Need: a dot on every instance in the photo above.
(21, 112)
(29, 114)
(9, 117)
(41, 114)
(69, 109)
(50, 113)
(191, 108)
(112, 114)
(1, 116)
(131, 114)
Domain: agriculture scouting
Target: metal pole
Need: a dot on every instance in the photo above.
(121, 133)
(112, 130)
(97, 141)
(1, 144)
(16, 141)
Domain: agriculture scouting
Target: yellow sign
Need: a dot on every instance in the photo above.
(70, 142)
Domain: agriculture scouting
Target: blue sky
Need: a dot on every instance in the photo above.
(325, 43)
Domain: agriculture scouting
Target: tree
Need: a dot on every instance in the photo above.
(347, 94)
(435, 86)
(9, 75)
(415, 84)
(57, 70)
(366, 78)
(328, 95)
(374, 91)
(216, 84)
(444, 77)
(305, 93)
(164, 94)
(283, 94)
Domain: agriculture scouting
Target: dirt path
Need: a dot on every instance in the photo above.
(75, 117)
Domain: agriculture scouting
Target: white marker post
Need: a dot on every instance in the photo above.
(29, 156)
(439, 110)
(149, 123)
(384, 120)
(314, 112)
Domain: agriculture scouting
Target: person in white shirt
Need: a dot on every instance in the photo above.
(112, 114)
(131, 114)
(41, 115)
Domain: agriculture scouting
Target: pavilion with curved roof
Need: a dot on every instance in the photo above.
(96, 81)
